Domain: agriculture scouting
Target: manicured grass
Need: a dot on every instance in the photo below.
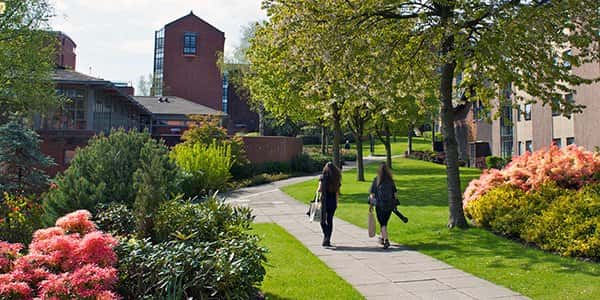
(423, 197)
(293, 272)
(399, 146)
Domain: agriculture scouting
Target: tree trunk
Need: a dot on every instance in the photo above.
(360, 167)
(410, 138)
(371, 144)
(457, 216)
(261, 120)
(388, 148)
(337, 137)
(462, 137)
(324, 140)
(432, 134)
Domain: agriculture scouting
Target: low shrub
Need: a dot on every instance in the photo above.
(115, 218)
(70, 261)
(348, 155)
(310, 139)
(309, 162)
(106, 171)
(272, 168)
(206, 168)
(555, 219)
(495, 162)
(201, 250)
(19, 218)
(570, 167)
(570, 225)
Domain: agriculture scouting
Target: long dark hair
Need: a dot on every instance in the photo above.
(384, 174)
(332, 178)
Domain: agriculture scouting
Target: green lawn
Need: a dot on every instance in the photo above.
(399, 146)
(293, 272)
(422, 193)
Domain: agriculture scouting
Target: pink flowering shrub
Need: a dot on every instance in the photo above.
(70, 261)
(571, 167)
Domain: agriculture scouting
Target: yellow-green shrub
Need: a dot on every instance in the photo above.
(570, 225)
(206, 168)
(503, 210)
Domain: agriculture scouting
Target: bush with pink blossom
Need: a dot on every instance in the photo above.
(70, 261)
(570, 167)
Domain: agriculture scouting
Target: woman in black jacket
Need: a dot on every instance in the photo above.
(383, 197)
(329, 188)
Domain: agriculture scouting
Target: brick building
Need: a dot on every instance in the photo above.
(96, 106)
(186, 58)
(534, 126)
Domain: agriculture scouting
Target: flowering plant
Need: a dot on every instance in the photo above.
(571, 167)
(70, 261)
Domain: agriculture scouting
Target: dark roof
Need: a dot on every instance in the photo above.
(62, 75)
(175, 106)
(193, 15)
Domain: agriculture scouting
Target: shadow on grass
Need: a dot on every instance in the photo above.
(488, 245)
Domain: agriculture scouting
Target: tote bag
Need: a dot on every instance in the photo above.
(371, 225)
(315, 209)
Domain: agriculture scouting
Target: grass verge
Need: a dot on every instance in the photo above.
(293, 272)
(423, 198)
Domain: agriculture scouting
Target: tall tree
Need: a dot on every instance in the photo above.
(518, 42)
(27, 58)
(144, 86)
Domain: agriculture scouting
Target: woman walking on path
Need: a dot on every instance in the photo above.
(383, 196)
(329, 188)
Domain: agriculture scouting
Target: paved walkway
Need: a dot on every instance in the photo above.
(360, 260)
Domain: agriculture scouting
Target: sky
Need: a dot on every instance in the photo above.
(115, 38)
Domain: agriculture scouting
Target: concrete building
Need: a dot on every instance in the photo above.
(186, 58)
(535, 126)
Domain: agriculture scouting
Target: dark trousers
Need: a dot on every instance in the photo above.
(327, 220)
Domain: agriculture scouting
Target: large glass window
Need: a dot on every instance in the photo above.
(529, 146)
(159, 54)
(189, 43)
(556, 107)
(557, 142)
(527, 112)
(570, 141)
(73, 113)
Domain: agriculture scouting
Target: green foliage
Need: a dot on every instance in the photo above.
(19, 218)
(112, 169)
(201, 250)
(495, 162)
(206, 168)
(348, 155)
(570, 225)
(309, 162)
(21, 161)
(27, 58)
(115, 218)
(153, 181)
(553, 218)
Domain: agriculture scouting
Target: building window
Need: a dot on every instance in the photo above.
(570, 141)
(557, 142)
(189, 43)
(529, 146)
(159, 54)
(566, 58)
(569, 98)
(73, 113)
(556, 107)
(527, 112)
(520, 148)
(224, 99)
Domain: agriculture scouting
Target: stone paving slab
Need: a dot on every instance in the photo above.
(395, 273)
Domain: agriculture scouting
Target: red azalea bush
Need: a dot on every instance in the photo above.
(571, 167)
(70, 261)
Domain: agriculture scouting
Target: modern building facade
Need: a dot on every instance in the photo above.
(186, 65)
(95, 105)
(535, 126)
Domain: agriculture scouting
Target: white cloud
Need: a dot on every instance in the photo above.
(115, 37)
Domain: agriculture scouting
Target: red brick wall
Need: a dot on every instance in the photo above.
(196, 78)
(239, 112)
(56, 143)
(272, 148)
(65, 56)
